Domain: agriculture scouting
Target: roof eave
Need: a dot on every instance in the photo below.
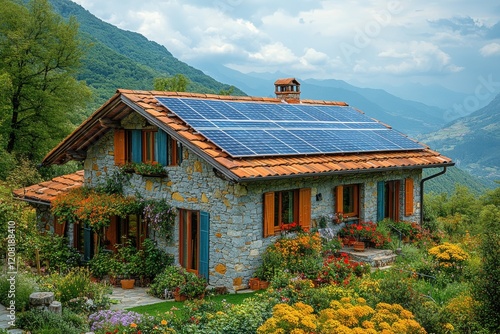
(340, 172)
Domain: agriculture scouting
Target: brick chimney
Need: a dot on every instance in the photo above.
(288, 90)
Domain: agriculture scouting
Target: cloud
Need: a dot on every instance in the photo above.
(492, 49)
(464, 25)
(417, 57)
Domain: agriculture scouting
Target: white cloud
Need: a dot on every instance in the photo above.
(425, 40)
(492, 49)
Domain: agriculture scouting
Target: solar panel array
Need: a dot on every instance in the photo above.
(247, 129)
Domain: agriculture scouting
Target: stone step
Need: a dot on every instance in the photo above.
(374, 257)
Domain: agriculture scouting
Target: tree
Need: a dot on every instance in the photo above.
(177, 83)
(39, 58)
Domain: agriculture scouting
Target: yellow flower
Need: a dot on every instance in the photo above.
(163, 322)
(133, 325)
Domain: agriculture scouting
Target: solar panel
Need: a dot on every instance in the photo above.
(244, 129)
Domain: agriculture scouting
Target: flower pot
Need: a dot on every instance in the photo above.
(359, 246)
(178, 297)
(127, 283)
(263, 285)
(254, 283)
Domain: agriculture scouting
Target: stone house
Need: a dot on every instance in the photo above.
(240, 168)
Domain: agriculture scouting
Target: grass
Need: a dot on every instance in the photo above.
(177, 307)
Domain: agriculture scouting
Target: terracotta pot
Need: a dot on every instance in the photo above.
(178, 297)
(254, 283)
(263, 285)
(127, 283)
(359, 246)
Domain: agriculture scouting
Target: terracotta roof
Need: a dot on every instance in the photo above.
(125, 102)
(45, 192)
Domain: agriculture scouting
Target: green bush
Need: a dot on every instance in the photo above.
(101, 264)
(55, 253)
(40, 321)
(154, 260)
(24, 287)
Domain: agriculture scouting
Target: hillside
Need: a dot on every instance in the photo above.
(124, 59)
(407, 116)
(447, 182)
(472, 141)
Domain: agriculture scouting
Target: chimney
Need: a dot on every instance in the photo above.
(287, 90)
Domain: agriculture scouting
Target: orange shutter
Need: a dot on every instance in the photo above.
(119, 144)
(408, 197)
(339, 199)
(268, 214)
(112, 234)
(59, 227)
(305, 208)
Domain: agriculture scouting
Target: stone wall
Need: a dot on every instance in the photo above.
(236, 242)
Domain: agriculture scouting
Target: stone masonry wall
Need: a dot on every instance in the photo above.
(236, 242)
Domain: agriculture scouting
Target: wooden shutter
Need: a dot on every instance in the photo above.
(339, 199)
(59, 228)
(408, 197)
(380, 200)
(268, 210)
(119, 147)
(161, 147)
(112, 233)
(305, 208)
(204, 244)
(136, 145)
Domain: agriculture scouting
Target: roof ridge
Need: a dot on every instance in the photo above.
(209, 96)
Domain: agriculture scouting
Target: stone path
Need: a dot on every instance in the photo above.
(132, 297)
(4, 320)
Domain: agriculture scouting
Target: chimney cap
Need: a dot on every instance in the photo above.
(287, 81)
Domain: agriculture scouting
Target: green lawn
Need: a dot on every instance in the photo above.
(176, 307)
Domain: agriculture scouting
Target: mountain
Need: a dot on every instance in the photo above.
(123, 59)
(472, 141)
(407, 116)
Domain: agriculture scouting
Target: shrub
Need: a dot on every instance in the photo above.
(176, 278)
(345, 316)
(40, 321)
(244, 318)
(101, 264)
(154, 259)
(24, 285)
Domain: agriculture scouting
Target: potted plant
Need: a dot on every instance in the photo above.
(193, 287)
(127, 272)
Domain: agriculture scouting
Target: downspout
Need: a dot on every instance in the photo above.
(422, 192)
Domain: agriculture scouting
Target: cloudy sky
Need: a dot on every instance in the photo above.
(370, 43)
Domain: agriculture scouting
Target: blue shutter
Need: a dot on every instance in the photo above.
(161, 147)
(87, 243)
(136, 145)
(380, 200)
(204, 243)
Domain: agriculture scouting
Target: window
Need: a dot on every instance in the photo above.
(347, 200)
(147, 146)
(189, 229)
(389, 199)
(129, 229)
(284, 207)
